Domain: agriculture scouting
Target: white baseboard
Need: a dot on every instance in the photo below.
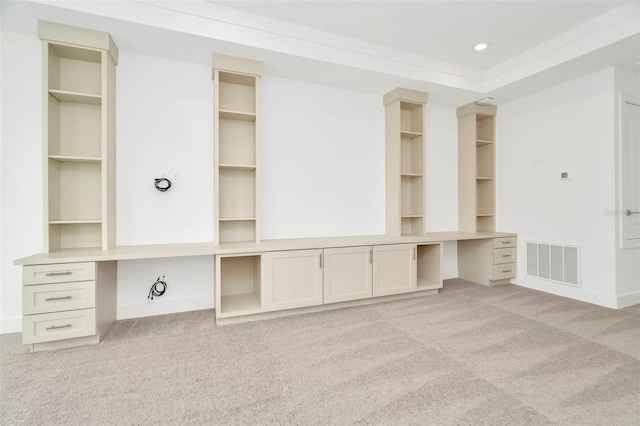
(601, 299)
(628, 300)
(11, 325)
(163, 307)
(448, 274)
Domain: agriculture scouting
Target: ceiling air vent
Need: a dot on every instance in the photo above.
(554, 262)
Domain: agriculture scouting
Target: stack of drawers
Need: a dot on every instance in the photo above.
(67, 304)
(504, 258)
(58, 301)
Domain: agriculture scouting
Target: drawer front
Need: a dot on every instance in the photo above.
(40, 299)
(58, 273)
(58, 326)
(506, 255)
(504, 242)
(504, 271)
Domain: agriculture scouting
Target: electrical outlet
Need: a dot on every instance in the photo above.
(175, 177)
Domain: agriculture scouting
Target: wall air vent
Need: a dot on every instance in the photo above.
(554, 262)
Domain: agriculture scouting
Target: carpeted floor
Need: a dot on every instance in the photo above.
(470, 355)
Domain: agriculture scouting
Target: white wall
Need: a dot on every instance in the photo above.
(21, 168)
(627, 260)
(569, 127)
(441, 179)
(322, 158)
(322, 161)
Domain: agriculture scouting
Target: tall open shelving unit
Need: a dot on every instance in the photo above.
(476, 167)
(79, 137)
(236, 118)
(404, 153)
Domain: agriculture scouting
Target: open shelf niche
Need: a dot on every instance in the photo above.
(476, 167)
(79, 137)
(429, 266)
(239, 285)
(404, 129)
(236, 159)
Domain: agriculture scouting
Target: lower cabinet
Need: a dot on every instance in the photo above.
(347, 273)
(490, 261)
(293, 279)
(394, 269)
(255, 283)
(67, 304)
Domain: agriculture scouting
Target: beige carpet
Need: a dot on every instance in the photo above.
(470, 355)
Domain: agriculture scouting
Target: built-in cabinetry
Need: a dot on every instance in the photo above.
(348, 273)
(67, 304)
(236, 156)
(294, 279)
(404, 156)
(79, 137)
(476, 168)
(304, 278)
(487, 261)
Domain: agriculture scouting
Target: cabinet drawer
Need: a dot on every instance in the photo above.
(40, 299)
(58, 326)
(504, 242)
(506, 270)
(58, 273)
(506, 255)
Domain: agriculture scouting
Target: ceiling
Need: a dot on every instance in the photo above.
(445, 30)
(371, 46)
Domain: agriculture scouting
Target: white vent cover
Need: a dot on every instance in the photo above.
(559, 263)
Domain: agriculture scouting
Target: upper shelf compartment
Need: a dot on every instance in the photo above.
(75, 74)
(237, 97)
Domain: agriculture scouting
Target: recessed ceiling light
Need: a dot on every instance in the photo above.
(480, 46)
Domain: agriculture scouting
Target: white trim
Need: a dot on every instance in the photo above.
(449, 274)
(628, 300)
(141, 310)
(11, 325)
(600, 299)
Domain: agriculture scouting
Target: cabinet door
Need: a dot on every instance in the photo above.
(394, 269)
(347, 273)
(294, 279)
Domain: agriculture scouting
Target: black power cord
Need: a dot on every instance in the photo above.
(162, 184)
(158, 288)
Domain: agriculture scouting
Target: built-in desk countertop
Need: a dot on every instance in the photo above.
(207, 249)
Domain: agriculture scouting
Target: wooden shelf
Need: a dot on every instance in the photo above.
(236, 149)
(238, 166)
(75, 97)
(484, 178)
(240, 304)
(482, 142)
(74, 159)
(405, 134)
(427, 285)
(75, 222)
(404, 122)
(237, 115)
(484, 214)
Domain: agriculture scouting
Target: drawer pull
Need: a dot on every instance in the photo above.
(53, 274)
(506, 255)
(506, 270)
(57, 298)
(506, 242)
(55, 327)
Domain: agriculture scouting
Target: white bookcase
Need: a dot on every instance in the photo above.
(404, 153)
(79, 137)
(236, 119)
(476, 168)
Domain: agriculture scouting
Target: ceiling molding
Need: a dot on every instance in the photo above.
(192, 30)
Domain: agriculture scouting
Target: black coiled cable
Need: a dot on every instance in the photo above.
(158, 288)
